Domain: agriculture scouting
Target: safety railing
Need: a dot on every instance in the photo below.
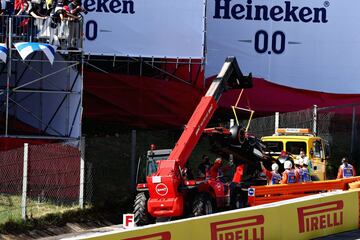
(65, 34)
(3, 29)
(258, 195)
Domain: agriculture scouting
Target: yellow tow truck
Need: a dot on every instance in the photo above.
(292, 140)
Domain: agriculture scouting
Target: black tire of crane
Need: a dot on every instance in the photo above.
(202, 205)
(141, 215)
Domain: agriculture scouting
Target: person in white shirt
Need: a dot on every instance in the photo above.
(303, 158)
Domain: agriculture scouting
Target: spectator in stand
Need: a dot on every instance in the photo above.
(68, 15)
(31, 9)
(60, 4)
(18, 5)
(346, 170)
(21, 7)
(35, 12)
(76, 8)
(63, 16)
(49, 4)
(59, 17)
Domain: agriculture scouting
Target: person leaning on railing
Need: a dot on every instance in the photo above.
(76, 8)
(31, 9)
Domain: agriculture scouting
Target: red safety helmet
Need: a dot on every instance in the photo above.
(283, 153)
(218, 161)
(66, 8)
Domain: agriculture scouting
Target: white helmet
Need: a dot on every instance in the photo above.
(301, 161)
(306, 161)
(282, 159)
(275, 167)
(287, 165)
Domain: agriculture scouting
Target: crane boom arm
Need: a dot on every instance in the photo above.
(230, 77)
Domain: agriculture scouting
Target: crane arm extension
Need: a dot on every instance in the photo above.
(230, 77)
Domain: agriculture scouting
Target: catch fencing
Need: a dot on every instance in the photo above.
(39, 179)
(339, 125)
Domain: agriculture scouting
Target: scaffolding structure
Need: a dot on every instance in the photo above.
(38, 99)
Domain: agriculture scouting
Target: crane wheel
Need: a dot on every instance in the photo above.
(202, 205)
(141, 215)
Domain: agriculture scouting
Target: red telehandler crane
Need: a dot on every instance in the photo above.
(167, 193)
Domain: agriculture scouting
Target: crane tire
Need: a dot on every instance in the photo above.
(202, 205)
(141, 215)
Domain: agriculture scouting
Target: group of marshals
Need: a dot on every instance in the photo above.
(300, 172)
(293, 172)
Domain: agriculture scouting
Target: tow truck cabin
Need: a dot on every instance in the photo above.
(292, 140)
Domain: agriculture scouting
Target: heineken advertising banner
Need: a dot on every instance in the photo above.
(156, 28)
(308, 44)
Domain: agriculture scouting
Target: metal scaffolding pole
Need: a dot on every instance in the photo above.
(8, 78)
(353, 134)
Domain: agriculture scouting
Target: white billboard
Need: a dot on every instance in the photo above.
(308, 44)
(147, 28)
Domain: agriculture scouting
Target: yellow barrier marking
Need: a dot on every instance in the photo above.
(359, 207)
(306, 218)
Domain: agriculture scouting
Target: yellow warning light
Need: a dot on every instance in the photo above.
(293, 131)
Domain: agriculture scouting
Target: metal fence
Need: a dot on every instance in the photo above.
(39, 179)
(339, 125)
(65, 34)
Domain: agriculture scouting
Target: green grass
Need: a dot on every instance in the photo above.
(10, 208)
(89, 214)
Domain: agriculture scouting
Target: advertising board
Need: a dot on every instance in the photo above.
(307, 44)
(302, 218)
(157, 28)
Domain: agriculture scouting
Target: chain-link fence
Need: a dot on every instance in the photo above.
(339, 125)
(11, 172)
(39, 179)
(265, 126)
